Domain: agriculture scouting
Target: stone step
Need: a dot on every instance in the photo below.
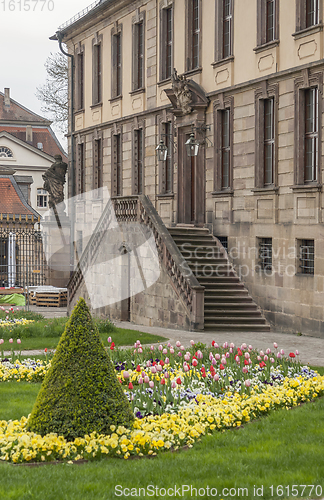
(213, 305)
(228, 299)
(231, 313)
(243, 320)
(221, 285)
(236, 327)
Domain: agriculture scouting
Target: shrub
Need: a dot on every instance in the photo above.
(80, 393)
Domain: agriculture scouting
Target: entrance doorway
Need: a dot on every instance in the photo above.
(191, 183)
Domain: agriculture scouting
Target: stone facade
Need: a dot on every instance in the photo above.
(259, 69)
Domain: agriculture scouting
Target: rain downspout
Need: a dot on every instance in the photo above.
(59, 37)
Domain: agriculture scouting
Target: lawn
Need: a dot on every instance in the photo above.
(282, 449)
(44, 333)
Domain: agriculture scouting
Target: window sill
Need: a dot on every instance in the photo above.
(80, 111)
(165, 196)
(222, 62)
(97, 105)
(224, 193)
(265, 190)
(192, 72)
(164, 82)
(266, 46)
(138, 91)
(307, 188)
(304, 275)
(117, 98)
(307, 31)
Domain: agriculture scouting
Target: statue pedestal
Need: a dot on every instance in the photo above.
(56, 242)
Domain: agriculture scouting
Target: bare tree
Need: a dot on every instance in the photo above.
(54, 93)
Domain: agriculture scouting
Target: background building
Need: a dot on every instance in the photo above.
(253, 85)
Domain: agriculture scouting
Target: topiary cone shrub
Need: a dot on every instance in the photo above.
(80, 393)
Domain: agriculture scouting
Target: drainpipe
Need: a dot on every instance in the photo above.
(59, 37)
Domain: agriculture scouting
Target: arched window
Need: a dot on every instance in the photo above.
(5, 152)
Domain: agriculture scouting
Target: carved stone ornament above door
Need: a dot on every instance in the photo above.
(185, 95)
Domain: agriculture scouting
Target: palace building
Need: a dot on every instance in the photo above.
(204, 120)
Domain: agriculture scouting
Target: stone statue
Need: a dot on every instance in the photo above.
(182, 93)
(54, 180)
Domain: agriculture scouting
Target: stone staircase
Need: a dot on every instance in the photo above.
(227, 303)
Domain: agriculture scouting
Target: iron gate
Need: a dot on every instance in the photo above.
(22, 261)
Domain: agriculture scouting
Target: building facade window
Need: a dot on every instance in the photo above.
(266, 143)
(97, 164)
(223, 144)
(116, 47)
(41, 198)
(166, 42)
(166, 167)
(265, 253)
(193, 38)
(308, 112)
(97, 71)
(117, 164)
(308, 14)
(79, 184)
(306, 256)
(138, 151)
(311, 135)
(138, 51)
(80, 77)
(224, 29)
(267, 21)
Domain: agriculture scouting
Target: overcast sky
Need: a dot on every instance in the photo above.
(25, 44)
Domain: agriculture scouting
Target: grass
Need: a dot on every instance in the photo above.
(285, 448)
(46, 333)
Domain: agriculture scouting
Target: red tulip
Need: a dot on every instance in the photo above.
(292, 355)
(194, 362)
(178, 381)
(138, 368)
(162, 362)
(162, 381)
(222, 367)
(130, 385)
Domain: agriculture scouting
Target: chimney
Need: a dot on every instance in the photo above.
(7, 97)
(29, 133)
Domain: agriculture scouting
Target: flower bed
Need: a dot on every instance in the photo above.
(177, 398)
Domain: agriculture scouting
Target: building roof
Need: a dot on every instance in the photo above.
(12, 201)
(16, 112)
(43, 135)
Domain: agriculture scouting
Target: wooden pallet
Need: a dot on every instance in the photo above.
(58, 299)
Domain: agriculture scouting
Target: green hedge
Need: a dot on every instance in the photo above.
(80, 393)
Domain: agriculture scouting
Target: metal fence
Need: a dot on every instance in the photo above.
(22, 261)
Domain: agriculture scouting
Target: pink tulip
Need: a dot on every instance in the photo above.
(182, 348)
(166, 375)
(173, 384)
(152, 347)
(171, 350)
(265, 358)
(186, 357)
(271, 360)
(165, 351)
(126, 374)
(153, 369)
(232, 345)
(275, 345)
(109, 340)
(237, 359)
(160, 347)
(268, 351)
(225, 345)
(231, 350)
(148, 363)
(186, 368)
(245, 369)
(178, 343)
(214, 362)
(261, 353)
(18, 341)
(146, 379)
(247, 355)
(243, 346)
(1, 341)
(168, 344)
(227, 355)
(167, 361)
(247, 383)
(282, 352)
(11, 341)
(297, 352)
(199, 355)
(140, 350)
(143, 374)
(250, 347)
(159, 368)
(138, 342)
(278, 355)
(140, 380)
(179, 354)
(216, 377)
(217, 356)
(151, 384)
(223, 362)
(192, 342)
